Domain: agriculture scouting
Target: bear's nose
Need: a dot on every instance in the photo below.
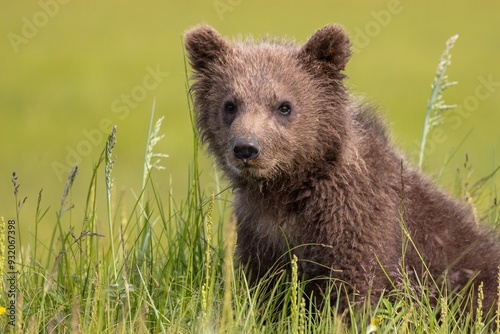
(245, 150)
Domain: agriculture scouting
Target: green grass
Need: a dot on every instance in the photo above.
(164, 265)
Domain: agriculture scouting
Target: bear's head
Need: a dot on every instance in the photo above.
(270, 110)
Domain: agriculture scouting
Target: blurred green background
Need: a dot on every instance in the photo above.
(67, 68)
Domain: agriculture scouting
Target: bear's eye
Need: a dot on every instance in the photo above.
(285, 109)
(230, 107)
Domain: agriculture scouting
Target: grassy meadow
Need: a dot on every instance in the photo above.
(117, 247)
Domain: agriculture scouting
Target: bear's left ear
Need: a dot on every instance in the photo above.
(330, 45)
(204, 47)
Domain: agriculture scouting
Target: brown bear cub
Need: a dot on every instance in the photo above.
(314, 173)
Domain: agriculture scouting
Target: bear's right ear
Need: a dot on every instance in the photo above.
(204, 46)
(329, 45)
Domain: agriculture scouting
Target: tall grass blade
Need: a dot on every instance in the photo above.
(110, 144)
(436, 105)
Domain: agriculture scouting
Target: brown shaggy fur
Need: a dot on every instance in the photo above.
(314, 171)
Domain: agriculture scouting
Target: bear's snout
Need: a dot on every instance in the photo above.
(246, 149)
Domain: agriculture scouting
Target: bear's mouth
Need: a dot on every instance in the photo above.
(245, 166)
(246, 169)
